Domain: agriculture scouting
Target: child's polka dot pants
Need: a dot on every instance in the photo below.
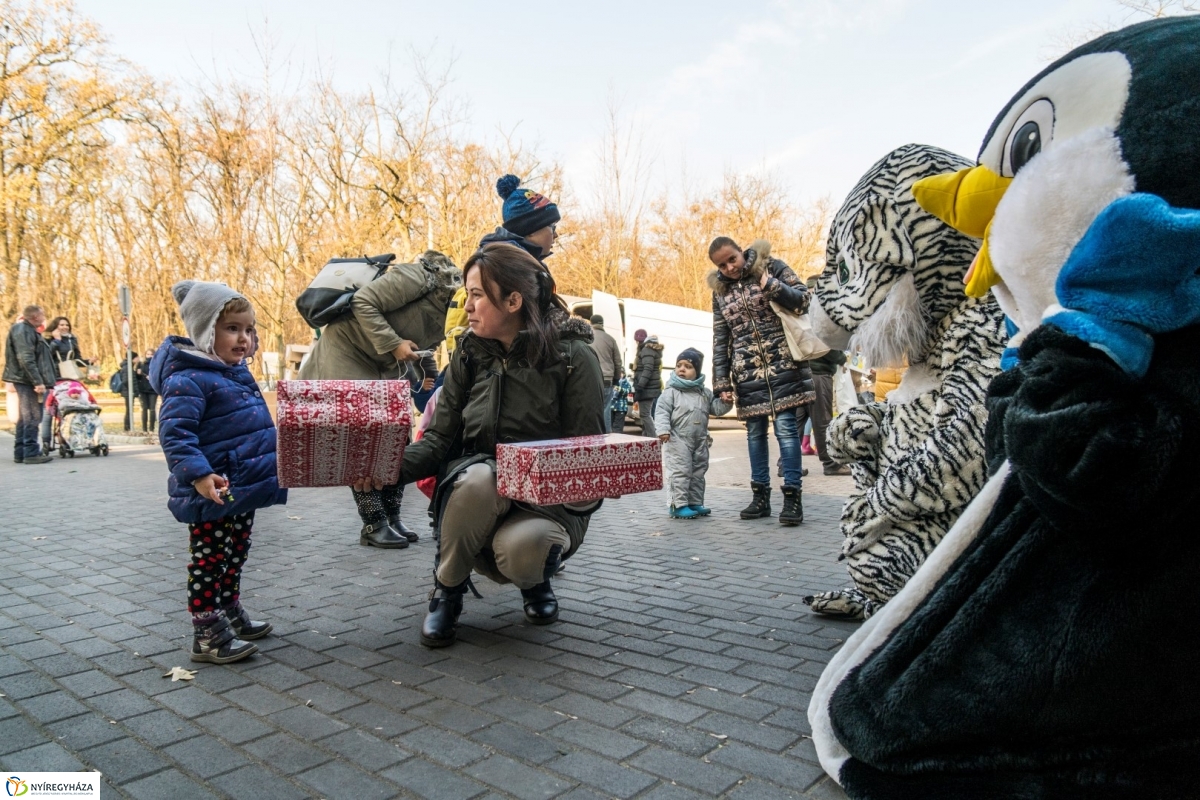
(219, 550)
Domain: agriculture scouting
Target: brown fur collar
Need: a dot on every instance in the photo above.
(570, 327)
(758, 255)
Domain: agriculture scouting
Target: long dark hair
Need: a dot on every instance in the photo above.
(504, 269)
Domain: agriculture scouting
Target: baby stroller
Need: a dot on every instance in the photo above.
(77, 423)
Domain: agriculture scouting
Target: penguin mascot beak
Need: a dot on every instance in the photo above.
(966, 201)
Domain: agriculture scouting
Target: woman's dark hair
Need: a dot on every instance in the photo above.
(504, 269)
(722, 241)
(54, 324)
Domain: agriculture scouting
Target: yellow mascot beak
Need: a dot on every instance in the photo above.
(966, 201)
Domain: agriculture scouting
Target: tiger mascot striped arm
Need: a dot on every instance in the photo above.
(892, 286)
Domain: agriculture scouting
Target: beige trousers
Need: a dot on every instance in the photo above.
(478, 519)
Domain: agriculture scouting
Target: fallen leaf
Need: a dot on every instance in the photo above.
(36, 538)
(656, 533)
(291, 517)
(718, 736)
(695, 558)
(180, 674)
(398, 683)
(308, 702)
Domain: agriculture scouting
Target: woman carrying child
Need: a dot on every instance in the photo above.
(219, 440)
(524, 371)
(682, 419)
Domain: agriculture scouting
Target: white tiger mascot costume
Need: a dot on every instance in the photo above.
(892, 286)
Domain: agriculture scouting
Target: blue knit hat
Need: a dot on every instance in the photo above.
(694, 356)
(525, 211)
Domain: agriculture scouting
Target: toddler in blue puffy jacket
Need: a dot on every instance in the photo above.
(219, 439)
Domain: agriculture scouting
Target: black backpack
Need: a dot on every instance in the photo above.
(116, 384)
(327, 298)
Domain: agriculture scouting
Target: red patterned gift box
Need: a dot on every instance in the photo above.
(579, 469)
(332, 433)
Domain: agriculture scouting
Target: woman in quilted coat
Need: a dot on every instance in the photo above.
(524, 371)
(753, 367)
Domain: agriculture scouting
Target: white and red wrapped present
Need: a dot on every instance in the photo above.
(578, 469)
(332, 433)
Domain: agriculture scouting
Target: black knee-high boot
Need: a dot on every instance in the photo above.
(541, 606)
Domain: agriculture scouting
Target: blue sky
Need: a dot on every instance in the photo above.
(812, 90)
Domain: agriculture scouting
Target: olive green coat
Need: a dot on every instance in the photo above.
(406, 302)
(490, 396)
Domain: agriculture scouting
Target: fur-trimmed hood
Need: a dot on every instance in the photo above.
(758, 255)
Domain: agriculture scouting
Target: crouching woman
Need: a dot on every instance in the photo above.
(524, 371)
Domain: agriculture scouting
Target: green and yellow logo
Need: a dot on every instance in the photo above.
(16, 787)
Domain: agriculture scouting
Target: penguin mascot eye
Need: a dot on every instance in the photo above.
(1030, 134)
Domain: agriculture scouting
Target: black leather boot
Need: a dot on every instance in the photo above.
(760, 506)
(213, 641)
(399, 527)
(793, 509)
(440, 627)
(541, 606)
(381, 534)
(243, 626)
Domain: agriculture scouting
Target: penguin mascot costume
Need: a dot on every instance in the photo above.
(1049, 647)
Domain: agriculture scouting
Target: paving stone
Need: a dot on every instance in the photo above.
(575, 705)
(600, 773)
(460, 718)
(307, 723)
(124, 760)
(369, 752)
(260, 700)
(278, 677)
(677, 710)
(160, 728)
(673, 735)
(602, 740)
(52, 707)
(25, 684)
(337, 779)
(519, 742)
(443, 747)
(433, 782)
(56, 666)
(827, 789)
(170, 784)
(122, 704)
(234, 725)
(192, 701)
(517, 779)
(669, 791)
(324, 697)
(257, 783)
(767, 737)
(778, 769)
(89, 684)
(286, 753)
(378, 720)
(47, 757)
(206, 756)
(693, 772)
(79, 733)
(761, 790)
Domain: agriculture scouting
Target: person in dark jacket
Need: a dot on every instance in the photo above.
(609, 355)
(523, 372)
(823, 369)
(64, 345)
(147, 397)
(647, 379)
(29, 366)
(753, 365)
(219, 440)
(129, 393)
(399, 313)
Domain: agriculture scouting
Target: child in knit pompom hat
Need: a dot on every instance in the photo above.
(681, 418)
(219, 440)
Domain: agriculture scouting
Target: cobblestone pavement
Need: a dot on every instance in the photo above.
(681, 667)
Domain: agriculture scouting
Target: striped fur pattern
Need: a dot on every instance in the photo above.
(918, 459)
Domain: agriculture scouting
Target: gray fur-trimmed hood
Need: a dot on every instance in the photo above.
(758, 255)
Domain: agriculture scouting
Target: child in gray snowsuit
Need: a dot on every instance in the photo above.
(682, 417)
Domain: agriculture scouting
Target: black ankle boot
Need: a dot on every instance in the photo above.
(760, 506)
(440, 627)
(541, 606)
(243, 626)
(213, 641)
(381, 534)
(793, 509)
(399, 527)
